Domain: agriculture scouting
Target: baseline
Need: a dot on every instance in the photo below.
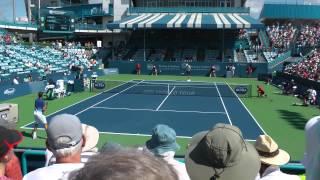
(25, 126)
(153, 110)
(107, 98)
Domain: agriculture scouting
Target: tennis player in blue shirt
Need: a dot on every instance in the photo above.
(40, 107)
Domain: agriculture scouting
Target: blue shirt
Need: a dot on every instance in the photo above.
(39, 104)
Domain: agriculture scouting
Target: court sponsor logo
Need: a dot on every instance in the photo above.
(99, 85)
(241, 89)
(9, 91)
(4, 116)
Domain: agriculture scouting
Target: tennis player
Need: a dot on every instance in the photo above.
(40, 106)
(188, 71)
(154, 70)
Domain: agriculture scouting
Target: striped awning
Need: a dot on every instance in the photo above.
(187, 21)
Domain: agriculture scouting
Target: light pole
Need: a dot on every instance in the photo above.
(14, 10)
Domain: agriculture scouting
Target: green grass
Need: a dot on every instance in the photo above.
(275, 113)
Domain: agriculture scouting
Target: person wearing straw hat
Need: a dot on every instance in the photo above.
(221, 154)
(163, 144)
(271, 158)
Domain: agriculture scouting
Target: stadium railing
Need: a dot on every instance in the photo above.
(264, 38)
(188, 10)
(89, 10)
(33, 159)
(89, 27)
(279, 59)
(19, 24)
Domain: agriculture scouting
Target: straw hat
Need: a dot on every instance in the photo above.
(269, 151)
(92, 137)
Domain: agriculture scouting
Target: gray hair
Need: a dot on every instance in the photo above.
(122, 164)
(65, 152)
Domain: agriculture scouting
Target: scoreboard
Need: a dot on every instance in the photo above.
(57, 21)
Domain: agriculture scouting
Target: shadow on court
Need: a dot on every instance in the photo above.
(294, 118)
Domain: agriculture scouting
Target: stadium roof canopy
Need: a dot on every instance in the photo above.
(290, 11)
(187, 21)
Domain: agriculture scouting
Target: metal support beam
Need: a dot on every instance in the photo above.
(144, 44)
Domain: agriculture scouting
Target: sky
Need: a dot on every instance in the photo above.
(6, 7)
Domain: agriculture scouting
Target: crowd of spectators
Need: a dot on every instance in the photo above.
(309, 36)
(307, 68)
(281, 36)
(8, 38)
(220, 153)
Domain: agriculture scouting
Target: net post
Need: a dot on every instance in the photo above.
(168, 89)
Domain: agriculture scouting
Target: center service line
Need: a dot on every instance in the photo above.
(165, 99)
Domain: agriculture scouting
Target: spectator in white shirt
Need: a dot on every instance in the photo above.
(312, 149)
(15, 80)
(65, 140)
(163, 144)
(271, 158)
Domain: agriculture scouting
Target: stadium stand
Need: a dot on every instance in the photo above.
(307, 68)
(23, 60)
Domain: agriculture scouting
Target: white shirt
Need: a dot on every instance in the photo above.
(15, 81)
(311, 156)
(53, 172)
(50, 159)
(179, 167)
(274, 173)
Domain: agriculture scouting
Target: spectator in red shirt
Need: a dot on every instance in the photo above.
(9, 164)
(138, 69)
(13, 168)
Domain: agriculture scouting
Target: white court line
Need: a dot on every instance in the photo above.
(164, 100)
(224, 106)
(107, 98)
(181, 81)
(153, 110)
(144, 135)
(23, 127)
(247, 109)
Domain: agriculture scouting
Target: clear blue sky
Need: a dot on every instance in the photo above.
(6, 7)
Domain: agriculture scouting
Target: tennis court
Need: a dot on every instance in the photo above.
(135, 107)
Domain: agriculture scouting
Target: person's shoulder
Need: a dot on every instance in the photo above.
(56, 171)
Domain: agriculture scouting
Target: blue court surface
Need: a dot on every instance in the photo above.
(135, 107)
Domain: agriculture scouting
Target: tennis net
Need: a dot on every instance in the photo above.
(173, 88)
